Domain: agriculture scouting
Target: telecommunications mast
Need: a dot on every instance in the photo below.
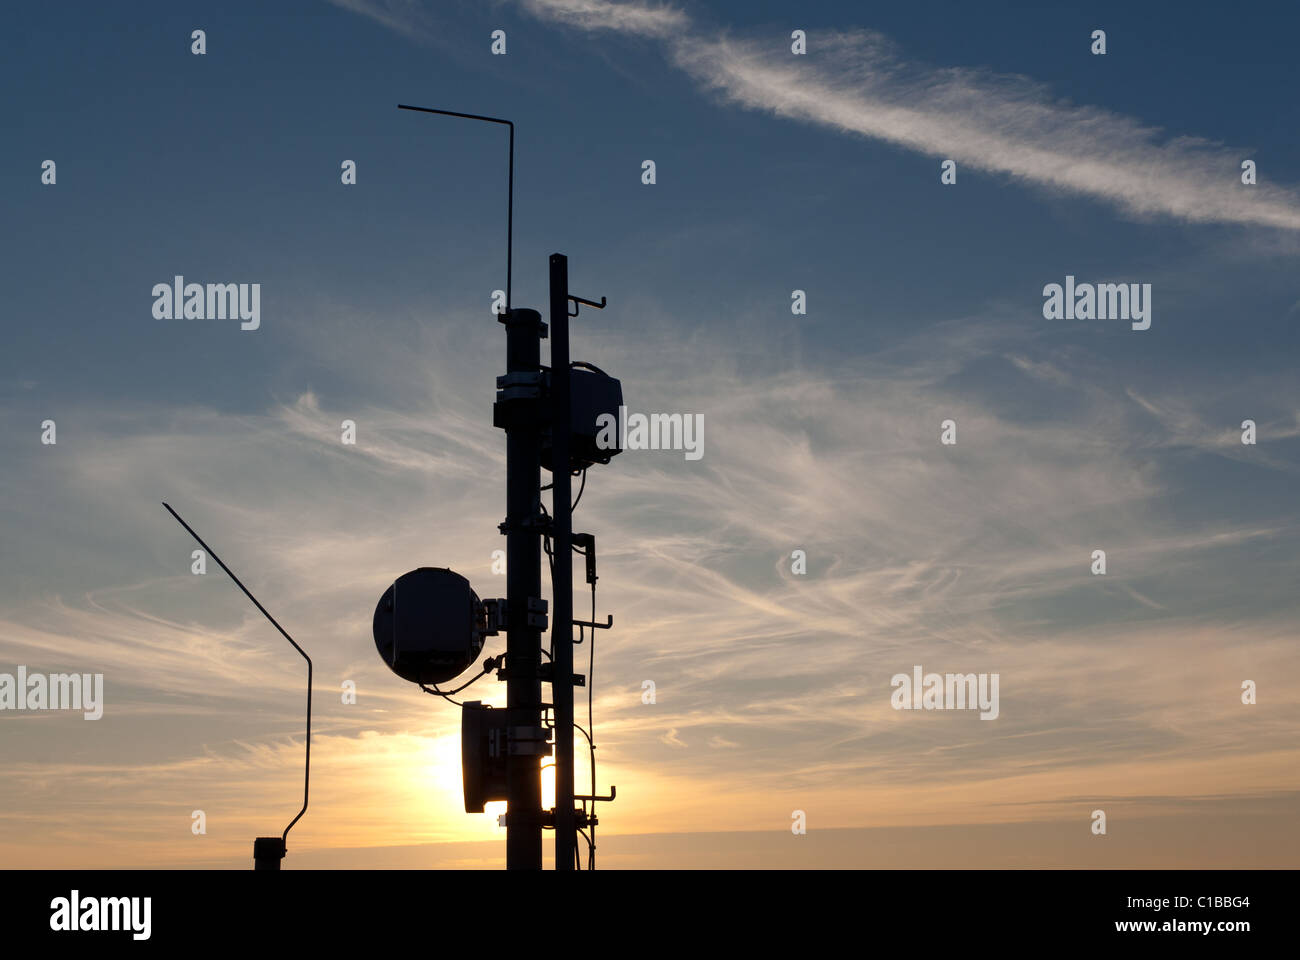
(430, 625)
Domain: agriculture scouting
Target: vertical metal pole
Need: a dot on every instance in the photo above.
(562, 578)
(523, 580)
(510, 217)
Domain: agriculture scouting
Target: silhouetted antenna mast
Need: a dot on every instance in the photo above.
(267, 851)
(430, 625)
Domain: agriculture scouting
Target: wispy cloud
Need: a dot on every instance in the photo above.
(407, 17)
(856, 81)
(645, 20)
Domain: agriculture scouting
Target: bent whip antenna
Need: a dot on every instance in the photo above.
(267, 851)
(510, 196)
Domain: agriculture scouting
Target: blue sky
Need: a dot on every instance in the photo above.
(774, 173)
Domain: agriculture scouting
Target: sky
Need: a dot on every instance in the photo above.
(775, 172)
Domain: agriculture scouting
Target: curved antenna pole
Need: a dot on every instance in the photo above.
(510, 196)
(306, 779)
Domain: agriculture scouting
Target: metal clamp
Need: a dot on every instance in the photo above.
(546, 673)
(537, 612)
(538, 521)
(519, 386)
(530, 741)
(495, 610)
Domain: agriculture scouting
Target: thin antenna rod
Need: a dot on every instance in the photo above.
(510, 201)
(306, 780)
